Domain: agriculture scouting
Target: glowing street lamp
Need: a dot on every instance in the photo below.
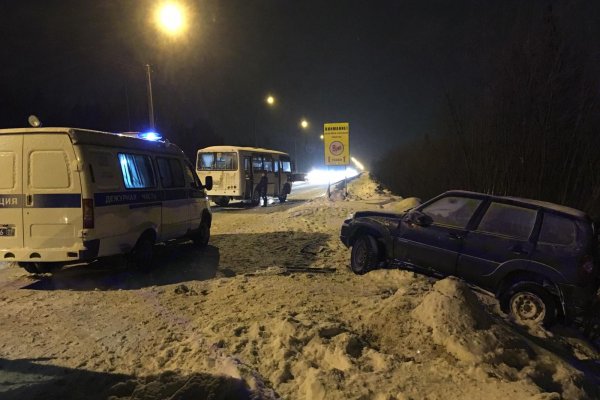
(270, 100)
(171, 18)
(304, 123)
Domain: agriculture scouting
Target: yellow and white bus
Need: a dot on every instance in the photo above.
(237, 170)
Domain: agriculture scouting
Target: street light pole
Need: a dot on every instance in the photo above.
(150, 99)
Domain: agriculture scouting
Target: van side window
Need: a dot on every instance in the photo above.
(137, 171)
(276, 166)
(171, 173)
(105, 171)
(192, 177)
(7, 166)
(49, 169)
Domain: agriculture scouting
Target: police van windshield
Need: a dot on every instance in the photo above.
(217, 161)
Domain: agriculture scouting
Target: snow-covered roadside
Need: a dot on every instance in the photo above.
(277, 312)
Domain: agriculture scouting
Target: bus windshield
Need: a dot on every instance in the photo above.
(217, 161)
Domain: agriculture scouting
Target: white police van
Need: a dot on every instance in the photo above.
(69, 195)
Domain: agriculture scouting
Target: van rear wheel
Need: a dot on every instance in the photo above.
(142, 254)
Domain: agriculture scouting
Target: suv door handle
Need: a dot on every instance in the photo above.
(517, 249)
(454, 236)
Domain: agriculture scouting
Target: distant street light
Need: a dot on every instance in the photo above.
(304, 125)
(170, 18)
(321, 137)
(270, 100)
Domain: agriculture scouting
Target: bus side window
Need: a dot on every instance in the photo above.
(268, 164)
(276, 167)
(257, 163)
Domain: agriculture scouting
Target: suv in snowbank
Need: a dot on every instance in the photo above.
(539, 258)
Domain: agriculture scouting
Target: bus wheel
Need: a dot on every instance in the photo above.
(282, 198)
(222, 201)
(255, 198)
(40, 267)
(30, 267)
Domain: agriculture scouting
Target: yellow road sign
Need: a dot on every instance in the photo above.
(336, 140)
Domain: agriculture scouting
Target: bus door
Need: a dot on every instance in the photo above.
(248, 177)
(273, 187)
(276, 169)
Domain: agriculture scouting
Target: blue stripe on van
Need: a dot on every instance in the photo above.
(48, 200)
(57, 200)
(120, 198)
(138, 197)
(175, 194)
(70, 200)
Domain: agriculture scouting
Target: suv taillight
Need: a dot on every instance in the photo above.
(88, 213)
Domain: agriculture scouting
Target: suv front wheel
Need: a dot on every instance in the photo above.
(529, 303)
(364, 255)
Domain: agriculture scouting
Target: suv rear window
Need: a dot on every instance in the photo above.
(508, 220)
(557, 229)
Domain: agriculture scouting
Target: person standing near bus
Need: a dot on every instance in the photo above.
(262, 187)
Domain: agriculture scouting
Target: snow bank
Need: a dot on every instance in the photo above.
(459, 322)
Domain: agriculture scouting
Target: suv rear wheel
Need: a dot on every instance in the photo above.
(529, 303)
(364, 255)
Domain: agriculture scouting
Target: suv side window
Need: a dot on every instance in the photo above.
(452, 211)
(557, 229)
(508, 220)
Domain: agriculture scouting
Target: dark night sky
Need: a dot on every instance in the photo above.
(384, 66)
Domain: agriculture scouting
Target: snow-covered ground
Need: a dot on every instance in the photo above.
(270, 310)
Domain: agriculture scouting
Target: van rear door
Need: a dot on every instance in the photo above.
(52, 214)
(11, 192)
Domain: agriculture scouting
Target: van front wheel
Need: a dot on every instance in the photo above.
(202, 237)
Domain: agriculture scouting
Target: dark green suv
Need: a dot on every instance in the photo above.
(539, 258)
